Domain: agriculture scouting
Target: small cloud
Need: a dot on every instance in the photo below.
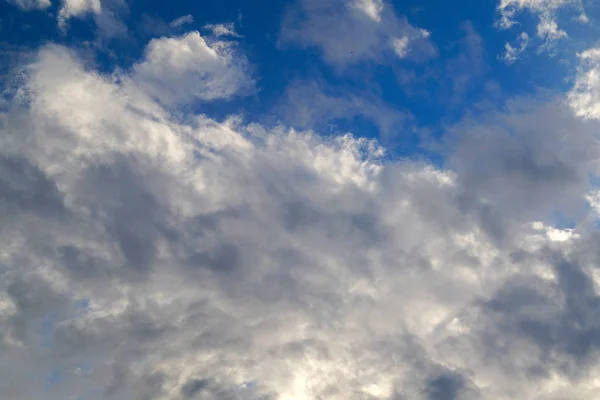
(179, 22)
(512, 52)
(219, 30)
(180, 69)
(400, 46)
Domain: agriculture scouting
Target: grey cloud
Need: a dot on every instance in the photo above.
(347, 33)
(311, 105)
(450, 386)
(192, 257)
(24, 187)
(529, 146)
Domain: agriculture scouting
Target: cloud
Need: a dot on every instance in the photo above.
(307, 104)
(512, 53)
(190, 67)
(77, 8)
(545, 10)
(219, 30)
(152, 257)
(584, 98)
(105, 14)
(350, 32)
(31, 4)
(184, 20)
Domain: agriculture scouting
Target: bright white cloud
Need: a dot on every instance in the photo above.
(584, 98)
(349, 32)
(31, 4)
(182, 69)
(371, 8)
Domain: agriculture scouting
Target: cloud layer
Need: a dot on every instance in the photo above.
(151, 256)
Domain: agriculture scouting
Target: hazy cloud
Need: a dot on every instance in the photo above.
(349, 32)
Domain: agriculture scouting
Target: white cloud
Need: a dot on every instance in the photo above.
(545, 10)
(584, 98)
(182, 69)
(219, 30)
(184, 20)
(31, 4)
(105, 14)
(348, 32)
(371, 8)
(77, 8)
(511, 54)
(150, 257)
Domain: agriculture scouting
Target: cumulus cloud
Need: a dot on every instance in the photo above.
(348, 32)
(181, 69)
(545, 10)
(149, 257)
(31, 4)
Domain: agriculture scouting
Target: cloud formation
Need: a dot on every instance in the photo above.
(349, 32)
(545, 10)
(512, 52)
(181, 69)
(149, 256)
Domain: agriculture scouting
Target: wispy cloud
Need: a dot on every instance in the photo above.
(350, 32)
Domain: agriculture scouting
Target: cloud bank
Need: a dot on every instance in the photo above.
(149, 255)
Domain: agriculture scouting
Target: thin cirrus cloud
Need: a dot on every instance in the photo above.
(148, 256)
(350, 32)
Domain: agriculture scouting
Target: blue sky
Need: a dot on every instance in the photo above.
(299, 200)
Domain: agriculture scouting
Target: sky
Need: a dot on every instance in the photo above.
(300, 200)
